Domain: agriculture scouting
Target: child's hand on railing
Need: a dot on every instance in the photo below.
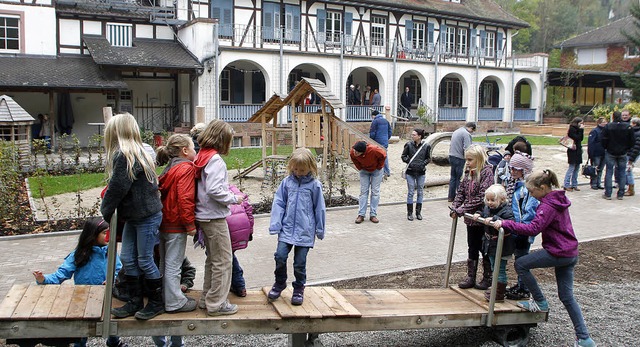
(497, 224)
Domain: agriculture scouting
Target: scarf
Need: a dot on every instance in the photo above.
(202, 159)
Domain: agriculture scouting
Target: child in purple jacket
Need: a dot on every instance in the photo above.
(559, 249)
(240, 224)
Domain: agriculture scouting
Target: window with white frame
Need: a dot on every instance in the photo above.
(333, 26)
(418, 39)
(487, 95)
(9, 33)
(462, 41)
(450, 39)
(237, 141)
(592, 56)
(120, 34)
(632, 52)
(452, 93)
(378, 27)
(256, 141)
(489, 51)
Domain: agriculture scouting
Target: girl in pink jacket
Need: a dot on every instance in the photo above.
(240, 224)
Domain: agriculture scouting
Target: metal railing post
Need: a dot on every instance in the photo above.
(112, 251)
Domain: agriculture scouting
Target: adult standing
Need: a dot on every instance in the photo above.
(595, 151)
(460, 140)
(358, 96)
(369, 160)
(376, 99)
(405, 100)
(380, 131)
(417, 155)
(351, 95)
(617, 139)
(366, 98)
(574, 155)
(45, 130)
(632, 156)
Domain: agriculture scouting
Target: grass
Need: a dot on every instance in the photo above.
(53, 185)
(534, 140)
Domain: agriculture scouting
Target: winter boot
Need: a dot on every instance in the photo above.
(275, 291)
(470, 281)
(132, 286)
(410, 211)
(502, 288)
(630, 190)
(298, 296)
(155, 304)
(418, 210)
(487, 274)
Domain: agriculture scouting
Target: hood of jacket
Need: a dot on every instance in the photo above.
(165, 178)
(557, 199)
(303, 179)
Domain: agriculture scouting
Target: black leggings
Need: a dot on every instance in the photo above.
(475, 233)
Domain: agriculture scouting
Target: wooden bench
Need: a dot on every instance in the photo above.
(32, 311)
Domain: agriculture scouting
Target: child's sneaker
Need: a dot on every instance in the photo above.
(298, 296)
(275, 291)
(588, 342)
(534, 306)
(240, 292)
(225, 309)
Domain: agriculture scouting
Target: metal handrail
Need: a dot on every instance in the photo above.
(111, 269)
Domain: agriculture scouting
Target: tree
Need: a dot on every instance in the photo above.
(630, 80)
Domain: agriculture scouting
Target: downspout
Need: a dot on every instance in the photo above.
(513, 81)
(283, 117)
(343, 92)
(394, 104)
(543, 81)
(216, 72)
(477, 87)
(436, 86)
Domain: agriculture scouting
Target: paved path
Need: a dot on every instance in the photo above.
(348, 251)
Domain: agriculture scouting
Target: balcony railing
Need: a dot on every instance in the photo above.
(452, 113)
(238, 113)
(524, 114)
(250, 36)
(490, 113)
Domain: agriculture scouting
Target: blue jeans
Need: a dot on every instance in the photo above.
(598, 162)
(571, 177)
(237, 274)
(457, 169)
(620, 164)
(415, 183)
(522, 249)
(630, 179)
(174, 341)
(385, 169)
(369, 180)
(564, 279)
(299, 264)
(139, 237)
(502, 274)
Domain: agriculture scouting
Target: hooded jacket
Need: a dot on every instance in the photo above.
(240, 221)
(380, 130)
(635, 150)
(553, 221)
(523, 204)
(502, 212)
(594, 143)
(178, 194)
(371, 160)
(94, 272)
(298, 211)
(213, 196)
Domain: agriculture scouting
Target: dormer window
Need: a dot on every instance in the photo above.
(119, 34)
(632, 52)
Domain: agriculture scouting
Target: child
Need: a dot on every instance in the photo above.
(559, 249)
(212, 200)
(469, 198)
(87, 264)
(240, 224)
(496, 206)
(297, 216)
(177, 189)
(133, 190)
(524, 209)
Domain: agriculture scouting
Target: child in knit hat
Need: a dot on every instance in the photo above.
(524, 209)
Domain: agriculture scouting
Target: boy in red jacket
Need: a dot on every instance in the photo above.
(369, 160)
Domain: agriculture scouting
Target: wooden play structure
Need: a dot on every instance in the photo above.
(15, 128)
(31, 311)
(311, 126)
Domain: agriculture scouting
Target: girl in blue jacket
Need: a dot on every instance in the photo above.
(87, 264)
(298, 217)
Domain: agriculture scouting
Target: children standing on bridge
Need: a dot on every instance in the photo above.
(297, 217)
(559, 249)
(496, 206)
(87, 264)
(177, 185)
(469, 198)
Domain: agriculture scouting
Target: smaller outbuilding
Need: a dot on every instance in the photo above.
(15, 127)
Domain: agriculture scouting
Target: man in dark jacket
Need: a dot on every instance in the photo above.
(380, 131)
(596, 152)
(632, 156)
(617, 139)
(405, 100)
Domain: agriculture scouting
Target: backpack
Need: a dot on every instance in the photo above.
(495, 159)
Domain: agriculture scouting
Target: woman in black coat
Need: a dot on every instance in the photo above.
(420, 152)
(576, 133)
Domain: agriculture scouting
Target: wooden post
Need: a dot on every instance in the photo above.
(274, 137)
(325, 133)
(52, 121)
(200, 117)
(294, 125)
(263, 122)
(107, 113)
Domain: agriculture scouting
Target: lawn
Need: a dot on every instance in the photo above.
(53, 185)
(534, 140)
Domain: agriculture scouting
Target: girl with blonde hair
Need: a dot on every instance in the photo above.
(478, 176)
(297, 216)
(133, 190)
